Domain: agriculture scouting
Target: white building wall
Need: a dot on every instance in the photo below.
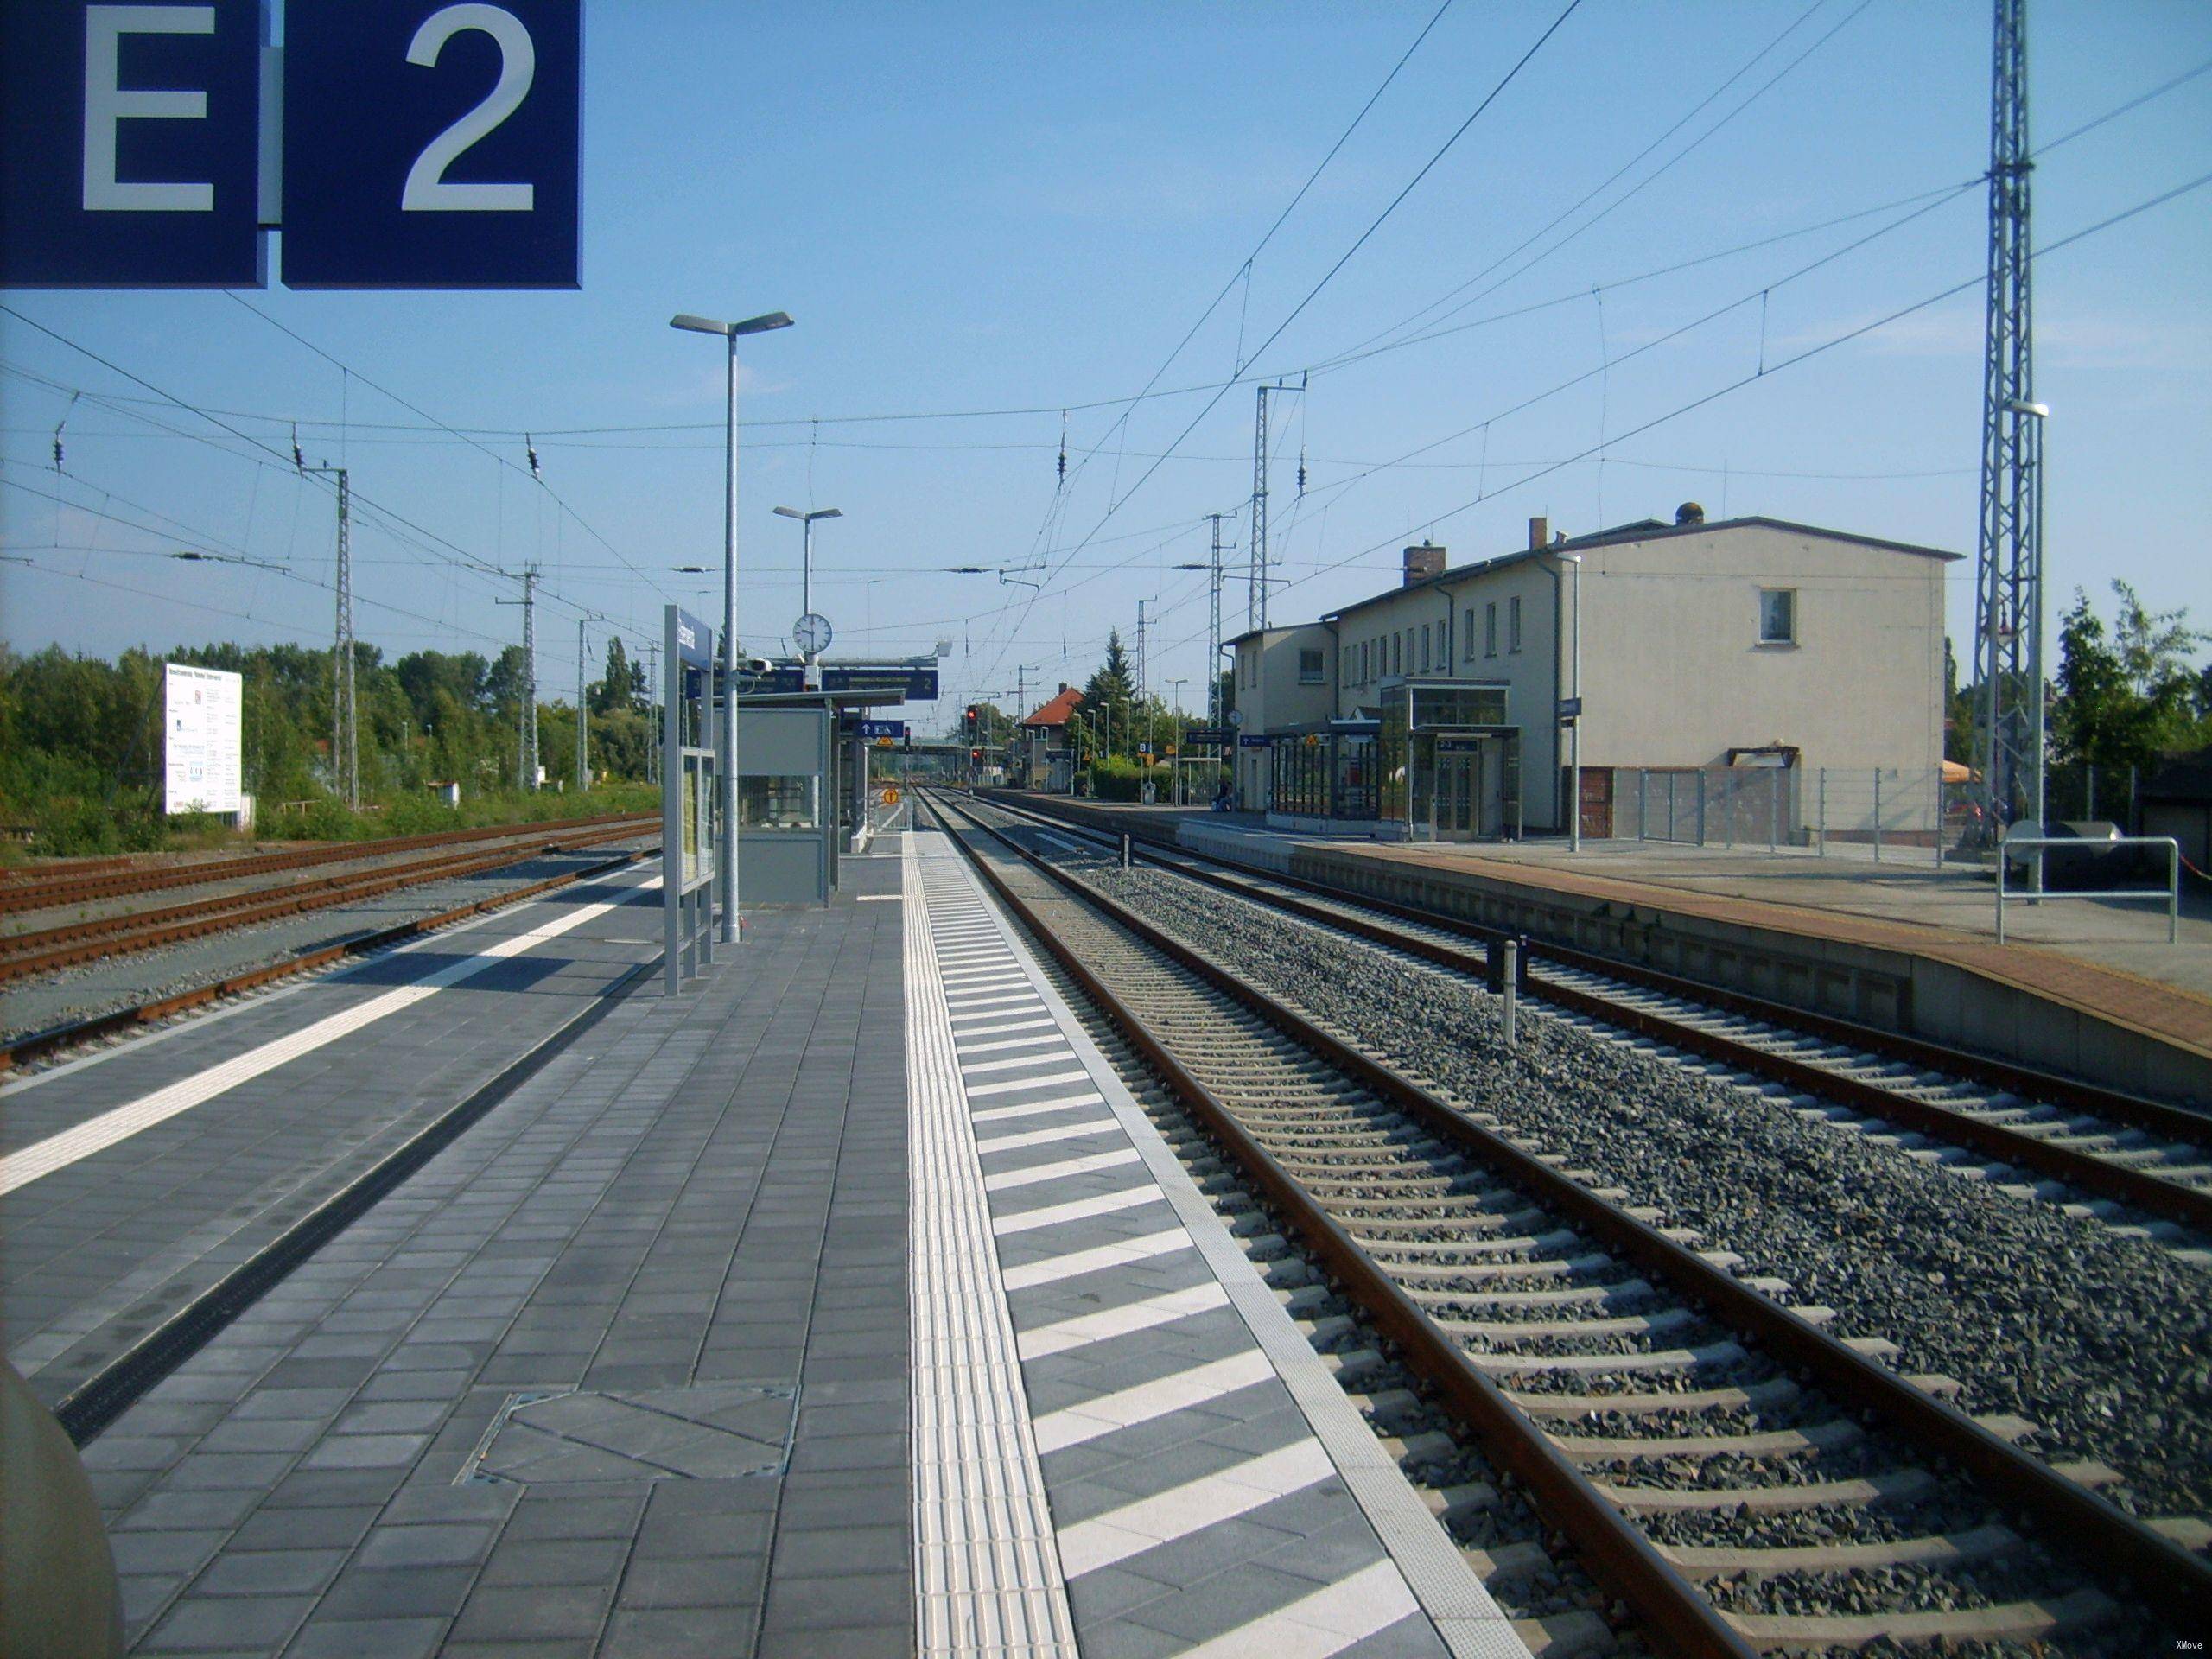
(1674, 673)
(1271, 696)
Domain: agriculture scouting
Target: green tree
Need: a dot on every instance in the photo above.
(1109, 689)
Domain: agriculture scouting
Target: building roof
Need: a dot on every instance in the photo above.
(1643, 529)
(1059, 711)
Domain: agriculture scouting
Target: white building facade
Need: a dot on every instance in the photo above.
(1448, 705)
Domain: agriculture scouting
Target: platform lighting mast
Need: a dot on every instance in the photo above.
(1255, 601)
(583, 711)
(2008, 567)
(653, 704)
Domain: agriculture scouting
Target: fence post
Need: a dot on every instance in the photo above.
(1700, 806)
(1878, 815)
(1938, 815)
(1774, 809)
(2134, 812)
(1820, 793)
(1643, 796)
(2089, 772)
(1728, 810)
(1511, 951)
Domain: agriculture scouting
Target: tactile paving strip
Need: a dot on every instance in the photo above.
(986, 1567)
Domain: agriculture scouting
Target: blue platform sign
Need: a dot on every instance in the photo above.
(131, 134)
(695, 640)
(431, 145)
(872, 729)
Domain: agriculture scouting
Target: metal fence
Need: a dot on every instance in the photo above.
(1880, 812)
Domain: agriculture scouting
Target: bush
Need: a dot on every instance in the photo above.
(1119, 778)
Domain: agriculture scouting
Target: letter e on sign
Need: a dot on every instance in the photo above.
(130, 134)
(432, 145)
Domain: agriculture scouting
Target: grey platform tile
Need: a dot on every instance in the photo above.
(695, 1582)
(379, 1638)
(276, 1571)
(396, 1592)
(1123, 1638)
(197, 1624)
(847, 1601)
(453, 1544)
(1213, 1607)
(319, 1528)
(711, 1632)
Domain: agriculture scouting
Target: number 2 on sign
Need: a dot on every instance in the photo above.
(427, 191)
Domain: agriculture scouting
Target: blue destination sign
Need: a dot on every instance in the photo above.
(1208, 735)
(872, 729)
(425, 144)
(432, 146)
(132, 134)
(898, 681)
(695, 640)
(1250, 743)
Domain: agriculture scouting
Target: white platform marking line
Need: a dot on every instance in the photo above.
(1109, 1322)
(1040, 1137)
(984, 1556)
(1078, 1075)
(119, 1123)
(1181, 1511)
(1329, 1620)
(1059, 1171)
(1141, 1404)
(1015, 1062)
(1054, 1215)
(1066, 1102)
(1052, 1036)
(1073, 1265)
(995, 1006)
(1014, 1025)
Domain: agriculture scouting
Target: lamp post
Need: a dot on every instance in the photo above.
(1574, 727)
(810, 671)
(726, 853)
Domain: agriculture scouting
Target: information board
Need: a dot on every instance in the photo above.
(200, 726)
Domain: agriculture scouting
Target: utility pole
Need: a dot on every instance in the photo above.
(345, 714)
(583, 713)
(526, 733)
(653, 703)
(1213, 633)
(2008, 559)
(1256, 603)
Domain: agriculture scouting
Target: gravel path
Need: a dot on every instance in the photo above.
(124, 982)
(2105, 1342)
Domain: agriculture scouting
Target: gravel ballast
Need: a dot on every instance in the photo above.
(2103, 1341)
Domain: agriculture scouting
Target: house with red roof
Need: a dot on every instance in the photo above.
(1043, 756)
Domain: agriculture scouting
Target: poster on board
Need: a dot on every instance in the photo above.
(200, 726)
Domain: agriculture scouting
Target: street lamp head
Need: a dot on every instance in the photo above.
(729, 330)
(808, 518)
(2041, 412)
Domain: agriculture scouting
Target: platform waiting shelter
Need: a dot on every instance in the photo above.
(691, 804)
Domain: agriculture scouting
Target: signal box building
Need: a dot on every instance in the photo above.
(1442, 707)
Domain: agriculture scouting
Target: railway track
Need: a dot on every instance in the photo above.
(49, 949)
(2143, 1166)
(112, 878)
(1742, 1479)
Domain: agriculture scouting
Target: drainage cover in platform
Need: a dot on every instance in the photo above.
(713, 1431)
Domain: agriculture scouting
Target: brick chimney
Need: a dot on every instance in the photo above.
(1539, 532)
(1423, 561)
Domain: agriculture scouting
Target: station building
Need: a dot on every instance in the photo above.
(1442, 707)
(1044, 758)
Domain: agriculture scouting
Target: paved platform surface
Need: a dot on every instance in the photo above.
(663, 1357)
(2106, 958)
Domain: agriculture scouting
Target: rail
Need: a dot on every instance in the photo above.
(2013, 843)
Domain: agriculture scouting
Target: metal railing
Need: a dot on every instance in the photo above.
(2014, 844)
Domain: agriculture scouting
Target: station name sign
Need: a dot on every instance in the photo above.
(395, 143)
(695, 640)
(897, 680)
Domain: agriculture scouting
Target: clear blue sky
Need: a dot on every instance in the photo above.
(1005, 206)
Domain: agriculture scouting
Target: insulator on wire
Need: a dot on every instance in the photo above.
(530, 448)
(1301, 475)
(299, 461)
(1064, 446)
(57, 448)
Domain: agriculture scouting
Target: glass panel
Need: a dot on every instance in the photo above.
(789, 802)
(1458, 705)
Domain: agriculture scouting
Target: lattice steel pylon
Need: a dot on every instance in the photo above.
(1213, 630)
(1255, 595)
(345, 712)
(527, 758)
(2008, 568)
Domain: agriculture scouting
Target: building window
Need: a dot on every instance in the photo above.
(1312, 668)
(1424, 648)
(1489, 629)
(1397, 653)
(1513, 623)
(1470, 636)
(1777, 616)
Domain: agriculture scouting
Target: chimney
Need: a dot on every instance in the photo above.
(1689, 513)
(1539, 532)
(1423, 561)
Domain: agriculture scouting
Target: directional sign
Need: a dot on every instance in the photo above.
(1569, 708)
(132, 134)
(887, 730)
(1209, 734)
(1256, 741)
(896, 682)
(429, 145)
